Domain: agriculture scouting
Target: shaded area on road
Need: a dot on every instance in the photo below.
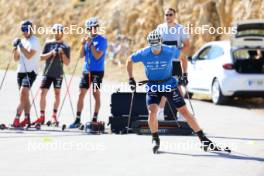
(218, 155)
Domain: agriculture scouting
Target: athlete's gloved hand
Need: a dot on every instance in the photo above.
(16, 42)
(184, 79)
(86, 39)
(53, 52)
(60, 50)
(132, 84)
(57, 49)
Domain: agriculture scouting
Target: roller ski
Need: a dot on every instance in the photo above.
(95, 127)
(55, 123)
(209, 146)
(24, 125)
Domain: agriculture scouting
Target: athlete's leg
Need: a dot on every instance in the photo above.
(24, 99)
(42, 102)
(84, 86)
(27, 102)
(153, 100)
(27, 83)
(189, 118)
(162, 104)
(81, 97)
(181, 107)
(152, 119)
(20, 106)
(97, 97)
(44, 88)
(57, 93)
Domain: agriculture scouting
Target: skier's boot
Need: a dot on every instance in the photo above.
(40, 120)
(156, 144)
(16, 123)
(76, 123)
(25, 122)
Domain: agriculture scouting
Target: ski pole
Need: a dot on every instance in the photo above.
(45, 73)
(173, 114)
(130, 110)
(90, 92)
(67, 88)
(188, 96)
(7, 68)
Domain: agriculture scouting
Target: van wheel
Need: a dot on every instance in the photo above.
(216, 94)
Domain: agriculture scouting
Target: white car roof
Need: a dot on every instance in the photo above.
(222, 44)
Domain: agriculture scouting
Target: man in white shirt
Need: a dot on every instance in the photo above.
(174, 34)
(27, 52)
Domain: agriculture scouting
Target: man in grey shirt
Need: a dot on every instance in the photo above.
(174, 34)
(55, 53)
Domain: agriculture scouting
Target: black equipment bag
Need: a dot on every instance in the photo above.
(120, 105)
(165, 128)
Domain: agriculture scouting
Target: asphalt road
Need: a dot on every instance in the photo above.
(238, 125)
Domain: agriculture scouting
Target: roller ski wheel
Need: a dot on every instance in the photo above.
(38, 126)
(28, 126)
(63, 127)
(3, 127)
(48, 123)
(81, 127)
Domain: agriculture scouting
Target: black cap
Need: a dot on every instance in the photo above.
(25, 25)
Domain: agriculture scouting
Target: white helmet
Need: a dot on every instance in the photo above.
(57, 27)
(91, 22)
(154, 37)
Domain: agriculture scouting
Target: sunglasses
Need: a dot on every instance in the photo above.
(169, 14)
(25, 28)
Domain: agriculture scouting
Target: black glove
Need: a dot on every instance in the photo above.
(132, 84)
(16, 42)
(184, 79)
